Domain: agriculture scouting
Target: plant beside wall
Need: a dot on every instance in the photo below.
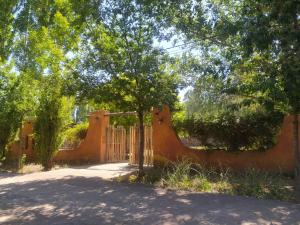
(232, 132)
(52, 118)
(15, 103)
(193, 177)
(74, 135)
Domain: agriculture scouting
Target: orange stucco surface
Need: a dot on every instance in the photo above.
(25, 143)
(92, 148)
(168, 147)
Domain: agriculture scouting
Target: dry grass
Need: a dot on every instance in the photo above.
(31, 168)
(27, 168)
(191, 177)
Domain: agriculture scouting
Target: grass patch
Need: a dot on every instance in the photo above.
(27, 168)
(191, 177)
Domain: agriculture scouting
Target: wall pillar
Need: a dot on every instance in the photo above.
(93, 147)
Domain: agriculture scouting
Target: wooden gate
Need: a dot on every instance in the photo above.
(116, 144)
(122, 145)
(134, 146)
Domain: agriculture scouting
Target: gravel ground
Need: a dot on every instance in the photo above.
(86, 195)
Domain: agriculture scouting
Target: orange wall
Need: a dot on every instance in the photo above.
(25, 143)
(92, 148)
(168, 147)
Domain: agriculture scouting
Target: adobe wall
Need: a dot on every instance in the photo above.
(168, 147)
(25, 143)
(91, 149)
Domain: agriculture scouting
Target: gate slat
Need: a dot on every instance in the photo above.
(118, 142)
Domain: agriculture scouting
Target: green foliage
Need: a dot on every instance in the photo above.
(248, 54)
(127, 70)
(15, 102)
(76, 133)
(241, 112)
(45, 32)
(10, 115)
(6, 24)
(252, 131)
(52, 118)
(179, 177)
(193, 177)
(263, 185)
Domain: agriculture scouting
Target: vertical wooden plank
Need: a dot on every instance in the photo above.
(128, 144)
(123, 144)
(116, 145)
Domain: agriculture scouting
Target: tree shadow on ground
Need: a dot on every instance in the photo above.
(6, 174)
(80, 200)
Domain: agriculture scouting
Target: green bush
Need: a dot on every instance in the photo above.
(76, 133)
(12, 106)
(52, 118)
(251, 131)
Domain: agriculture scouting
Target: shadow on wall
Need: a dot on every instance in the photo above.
(72, 200)
(25, 143)
(91, 149)
(168, 147)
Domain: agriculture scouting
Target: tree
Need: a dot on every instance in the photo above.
(129, 70)
(273, 28)
(7, 9)
(11, 110)
(247, 28)
(46, 32)
(15, 97)
(52, 118)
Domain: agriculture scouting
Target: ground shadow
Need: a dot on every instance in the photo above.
(79, 200)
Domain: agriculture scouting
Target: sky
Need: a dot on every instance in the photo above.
(175, 47)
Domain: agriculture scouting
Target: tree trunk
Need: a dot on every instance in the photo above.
(296, 156)
(141, 144)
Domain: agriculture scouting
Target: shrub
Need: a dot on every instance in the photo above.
(76, 133)
(253, 131)
(184, 175)
(52, 118)
(12, 109)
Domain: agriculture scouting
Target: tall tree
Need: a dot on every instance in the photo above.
(15, 95)
(14, 105)
(7, 10)
(129, 70)
(47, 34)
(247, 28)
(273, 27)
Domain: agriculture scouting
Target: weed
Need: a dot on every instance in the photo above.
(21, 162)
(187, 176)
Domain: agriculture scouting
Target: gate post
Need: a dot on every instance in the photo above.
(104, 123)
(93, 147)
